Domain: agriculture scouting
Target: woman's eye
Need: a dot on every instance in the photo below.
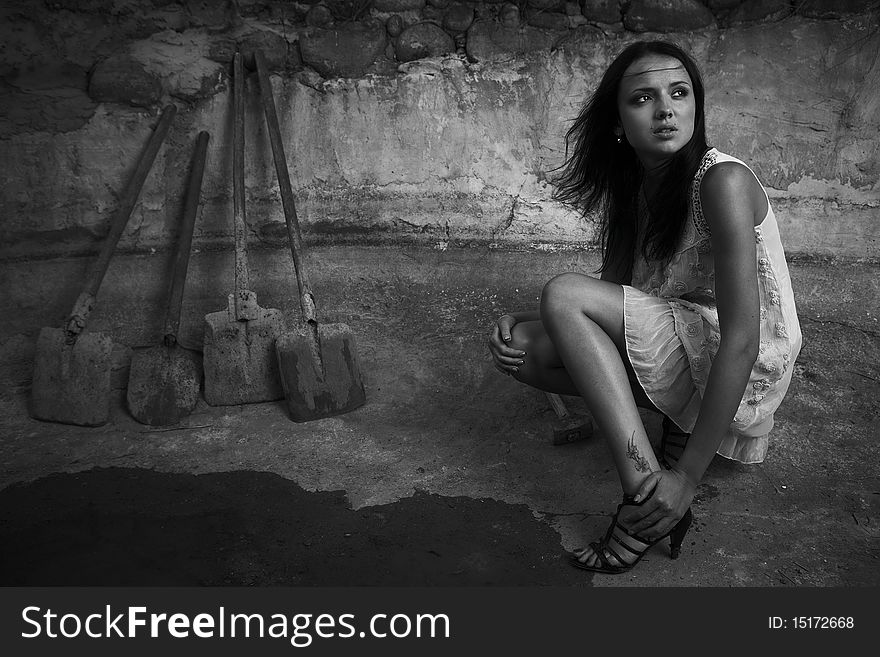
(679, 93)
(644, 98)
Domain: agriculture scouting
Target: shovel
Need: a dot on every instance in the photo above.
(164, 381)
(71, 381)
(239, 345)
(319, 365)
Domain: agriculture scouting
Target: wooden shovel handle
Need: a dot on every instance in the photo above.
(242, 283)
(558, 405)
(306, 298)
(86, 300)
(184, 240)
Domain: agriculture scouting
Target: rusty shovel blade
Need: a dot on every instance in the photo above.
(163, 385)
(239, 355)
(320, 380)
(71, 381)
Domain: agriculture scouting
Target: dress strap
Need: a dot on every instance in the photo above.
(700, 223)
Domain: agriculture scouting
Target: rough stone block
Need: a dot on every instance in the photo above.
(509, 15)
(123, 79)
(308, 78)
(221, 49)
(319, 16)
(547, 19)
(204, 80)
(275, 48)
(432, 14)
(458, 18)
(180, 61)
(723, 5)
(346, 51)
(394, 25)
(831, 8)
(423, 40)
(347, 10)
(601, 11)
(547, 5)
(397, 5)
(667, 16)
(489, 41)
(86, 6)
(752, 11)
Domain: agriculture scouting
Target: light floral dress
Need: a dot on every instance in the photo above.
(672, 333)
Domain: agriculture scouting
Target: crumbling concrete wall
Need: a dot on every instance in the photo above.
(434, 122)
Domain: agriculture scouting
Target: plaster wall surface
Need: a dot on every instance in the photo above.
(453, 153)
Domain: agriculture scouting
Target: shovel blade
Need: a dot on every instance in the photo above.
(239, 358)
(71, 382)
(163, 385)
(313, 391)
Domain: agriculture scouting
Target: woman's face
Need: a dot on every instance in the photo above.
(655, 103)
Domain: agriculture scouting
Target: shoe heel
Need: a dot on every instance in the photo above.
(676, 538)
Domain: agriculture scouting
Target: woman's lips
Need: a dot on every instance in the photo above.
(666, 132)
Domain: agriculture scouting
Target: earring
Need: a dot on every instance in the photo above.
(619, 139)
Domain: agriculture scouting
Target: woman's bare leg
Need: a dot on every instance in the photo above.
(578, 346)
(543, 369)
(583, 317)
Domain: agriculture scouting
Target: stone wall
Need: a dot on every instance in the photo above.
(428, 121)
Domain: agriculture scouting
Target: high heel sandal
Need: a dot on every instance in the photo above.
(672, 443)
(618, 541)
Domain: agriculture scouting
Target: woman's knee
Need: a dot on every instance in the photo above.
(571, 293)
(561, 294)
(540, 354)
(522, 337)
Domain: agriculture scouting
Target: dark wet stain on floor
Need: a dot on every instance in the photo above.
(135, 527)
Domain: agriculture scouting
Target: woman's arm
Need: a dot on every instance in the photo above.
(732, 200)
(524, 316)
(505, 358)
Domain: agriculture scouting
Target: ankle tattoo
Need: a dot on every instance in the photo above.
(632, 452)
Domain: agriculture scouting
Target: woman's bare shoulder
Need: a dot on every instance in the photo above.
(730, 186)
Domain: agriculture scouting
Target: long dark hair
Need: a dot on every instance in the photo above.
(602, 175)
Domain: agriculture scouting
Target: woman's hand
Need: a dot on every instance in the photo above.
(673, 492)
(505, 358)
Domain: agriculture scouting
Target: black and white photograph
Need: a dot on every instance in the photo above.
(555, 302)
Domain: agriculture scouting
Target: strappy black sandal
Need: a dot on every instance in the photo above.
(672, 443)
(611, 551)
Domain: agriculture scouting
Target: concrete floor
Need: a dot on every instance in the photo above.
(447, 475)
